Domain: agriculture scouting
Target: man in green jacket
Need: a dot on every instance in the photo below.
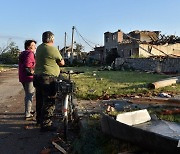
(48, 60)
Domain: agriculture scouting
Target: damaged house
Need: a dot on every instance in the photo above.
(66, 53)
(144, 50)
(141, 44)
(96, 55)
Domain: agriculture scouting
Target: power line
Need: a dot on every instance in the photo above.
(79, 39)
(85, 40)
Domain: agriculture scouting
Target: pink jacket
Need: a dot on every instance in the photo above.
(26, 59)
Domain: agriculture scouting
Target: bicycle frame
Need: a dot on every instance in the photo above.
(66, 89)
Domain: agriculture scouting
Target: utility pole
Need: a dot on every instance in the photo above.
(72, 56)
(64, 52)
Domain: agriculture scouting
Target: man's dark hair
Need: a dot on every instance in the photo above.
(28, 43)
(47, 37)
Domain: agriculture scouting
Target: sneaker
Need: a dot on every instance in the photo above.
(48, 129)
(32, 112)
(31, 117)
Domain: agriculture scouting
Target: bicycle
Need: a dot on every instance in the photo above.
(66, 89)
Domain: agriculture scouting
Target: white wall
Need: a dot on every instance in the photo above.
(169, 49)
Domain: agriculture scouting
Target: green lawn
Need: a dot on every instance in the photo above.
(93, 83)
(90, 86)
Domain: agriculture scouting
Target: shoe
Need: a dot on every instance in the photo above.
(48, 129)
(31, 117)
(32, 112)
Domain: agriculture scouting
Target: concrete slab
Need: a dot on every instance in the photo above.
(134, 118)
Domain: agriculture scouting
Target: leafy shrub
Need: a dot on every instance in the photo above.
(8, 58)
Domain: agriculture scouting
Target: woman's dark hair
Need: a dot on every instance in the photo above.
(47, 37)
(28, 43)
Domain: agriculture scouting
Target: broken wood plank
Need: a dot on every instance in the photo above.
(170, 111)
(164, 83)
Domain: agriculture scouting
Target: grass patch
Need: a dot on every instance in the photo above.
(4, 67)
(92, 140)
(93, 83)
(171, 118)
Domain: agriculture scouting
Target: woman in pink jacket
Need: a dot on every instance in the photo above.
(26, 71)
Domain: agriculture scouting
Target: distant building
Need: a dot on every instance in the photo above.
(97, 54)
(139, 43)
(67, 54)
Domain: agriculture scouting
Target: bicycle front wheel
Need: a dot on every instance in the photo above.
(68, 114)
(65, 127)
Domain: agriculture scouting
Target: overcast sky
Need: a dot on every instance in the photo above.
(23, 19)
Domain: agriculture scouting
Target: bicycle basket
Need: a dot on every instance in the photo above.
(65, 86)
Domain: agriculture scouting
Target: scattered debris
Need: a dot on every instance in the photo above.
(155, 100)
(163, 39)
(134, 118)
(170, 111)
(105, 95)
(59, 147)
(110, 109)
(105, 68)
(165, 95)
(136, 97)
(45, 151)
(26, 127)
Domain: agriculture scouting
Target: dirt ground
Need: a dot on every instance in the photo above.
(16, 134)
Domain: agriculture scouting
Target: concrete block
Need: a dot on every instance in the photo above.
(134, 118)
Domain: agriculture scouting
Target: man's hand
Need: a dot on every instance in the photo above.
(60, 62)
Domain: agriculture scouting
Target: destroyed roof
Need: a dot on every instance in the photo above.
(144, 32)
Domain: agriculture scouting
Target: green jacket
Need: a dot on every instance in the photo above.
(46, 57)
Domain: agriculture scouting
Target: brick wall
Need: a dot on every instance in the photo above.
(149, 64)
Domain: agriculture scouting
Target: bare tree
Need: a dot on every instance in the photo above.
(9, 53)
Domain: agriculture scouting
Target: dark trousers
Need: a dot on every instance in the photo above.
(45, 98)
